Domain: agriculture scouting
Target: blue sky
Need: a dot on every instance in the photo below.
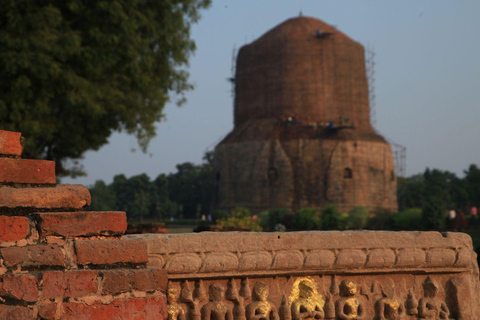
(427, 81)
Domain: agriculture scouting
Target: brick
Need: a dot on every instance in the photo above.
(48, 310)
(13, 228)
(64, 196)
(15, 313)
(20, 286)
(86, 223)
(74, 284)
(27, 171)
(111, 251)
(123, 280)
(10, 143)
(150, 308)
(48, 255)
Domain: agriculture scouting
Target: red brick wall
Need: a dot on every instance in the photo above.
(58, 261)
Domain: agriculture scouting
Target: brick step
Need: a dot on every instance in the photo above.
(65, 197)
(10, 143)
(27, 171)
(81, 224)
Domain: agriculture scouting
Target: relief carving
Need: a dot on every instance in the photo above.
(307, 303)
(430, 307)
(238, 301)
(174, 309)
(217, 308)
(260, 308)
(388, 307)
(349, 306)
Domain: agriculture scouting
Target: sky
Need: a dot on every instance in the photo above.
(427, 82)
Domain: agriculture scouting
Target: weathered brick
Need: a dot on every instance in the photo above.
(111, 251)
(63, 196)
(15, 313)
(48, 310)
(13, 228)
(20, 286)
(150, 308)
(27, 171)
(123, 280)
(59, 284)
(86, 223)
(48, 255)
(10, 143)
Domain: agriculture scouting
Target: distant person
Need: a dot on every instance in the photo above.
(473, 216)
(451, 219)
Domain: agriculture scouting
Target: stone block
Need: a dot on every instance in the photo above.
(13, 228)
(63, 196)
(42, 255)
(27, 171)
(111, 251)
(149, 308)
(69, 284)
(15, 312)
(19, 286)
(81, 224)
(10, 143)
(125, 280)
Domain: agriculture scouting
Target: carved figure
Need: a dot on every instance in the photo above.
(387, 307)
(411, 304)
(349, 306)
(174, 309)
(306, 302)
(285, 312)
(430, 307)
(217, 308)
(260, 308)
(238, 301)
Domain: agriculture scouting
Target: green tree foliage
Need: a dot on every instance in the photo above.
(74, 71)
(271, 218)
(437, 198)
(410, 219)
(358, 218)
(103, 197)
(307, 219)
(187, 193)
(192, 187)
(241, 218)
(472, 185)
(331, 219)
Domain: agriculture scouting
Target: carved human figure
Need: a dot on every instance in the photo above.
(174, 309)
(349, 306)
(387, 307)
(308, 304)
(217, 308)
(430, 307)
(260, 308)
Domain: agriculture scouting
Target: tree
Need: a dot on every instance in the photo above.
(331, 219)
(74, 71)
(437, 198)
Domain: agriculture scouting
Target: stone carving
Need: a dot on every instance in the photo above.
(306, 302)
(260, 308)
(193, 300)
(411, 304)
(349, 306)
(232, 295)
(285, 313)
(387, 307)
(174, 309)
(217, 308)
(430, 307)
